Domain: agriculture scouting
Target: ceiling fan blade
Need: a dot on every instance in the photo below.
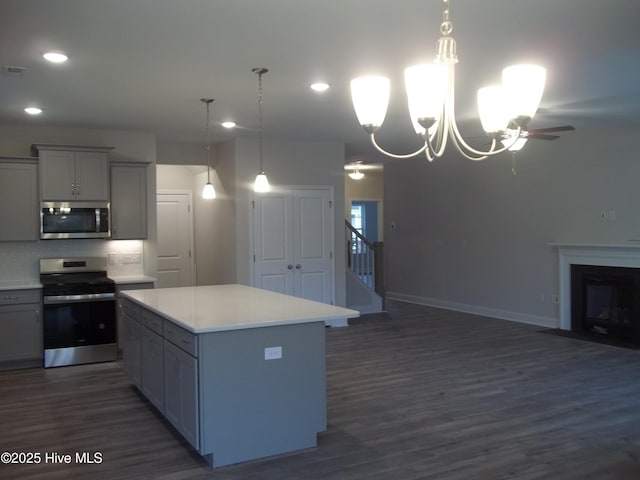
(564, 128)
(541, 136)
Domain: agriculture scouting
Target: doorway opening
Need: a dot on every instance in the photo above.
(364, 218)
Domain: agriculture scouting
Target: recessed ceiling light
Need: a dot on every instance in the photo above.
(55, 57)
(228, 124)
(320, 86)
(33, 110)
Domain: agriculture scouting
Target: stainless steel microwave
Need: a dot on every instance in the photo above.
(75, 220)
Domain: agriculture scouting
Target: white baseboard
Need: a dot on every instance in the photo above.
(366, 309)
(343, 322)
(548, 322)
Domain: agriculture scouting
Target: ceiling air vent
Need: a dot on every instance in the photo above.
(10, 71)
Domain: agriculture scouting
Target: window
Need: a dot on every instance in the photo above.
(357, 218)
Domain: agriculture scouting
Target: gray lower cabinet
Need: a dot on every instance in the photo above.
(160, 360)
(123, 332)
(152, 367)
(21, 327)
(131, 344)
(181, 392)
(143, 352)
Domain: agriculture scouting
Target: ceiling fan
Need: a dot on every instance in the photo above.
(538, 133)
(535, 134)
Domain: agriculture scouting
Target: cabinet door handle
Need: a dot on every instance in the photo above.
(290, 267)
(298, 266)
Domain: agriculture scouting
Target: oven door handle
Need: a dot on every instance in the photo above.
(89, 297)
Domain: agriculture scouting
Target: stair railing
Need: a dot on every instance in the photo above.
(365, 259)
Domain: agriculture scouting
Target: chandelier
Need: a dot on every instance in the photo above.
(505, 110)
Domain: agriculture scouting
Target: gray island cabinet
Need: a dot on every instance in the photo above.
(238, 371)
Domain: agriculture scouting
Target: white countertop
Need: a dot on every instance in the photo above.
(128, 279)
(217, 308)
(21, 285)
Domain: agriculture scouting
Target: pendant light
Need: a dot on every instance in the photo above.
(261, 183)
(208, 192)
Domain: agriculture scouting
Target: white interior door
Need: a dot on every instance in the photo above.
(273, 243)
(175, 264)
(293, 242)
(312, 242)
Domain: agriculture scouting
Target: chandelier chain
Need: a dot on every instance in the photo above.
(447, 27)
(260, 118)
(208, 102)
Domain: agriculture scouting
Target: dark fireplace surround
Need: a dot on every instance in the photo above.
(605, 302)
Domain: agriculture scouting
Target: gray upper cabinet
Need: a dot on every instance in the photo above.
(128, 200)
(69, 173)
(19, 198)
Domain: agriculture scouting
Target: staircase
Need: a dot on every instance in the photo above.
(365, 274)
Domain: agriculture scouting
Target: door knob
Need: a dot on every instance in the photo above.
(298, 266)
(290, 267)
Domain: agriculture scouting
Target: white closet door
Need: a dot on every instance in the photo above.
(312, 241)
(293, 243)
(273, 243)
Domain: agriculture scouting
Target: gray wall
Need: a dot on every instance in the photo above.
(472, 236)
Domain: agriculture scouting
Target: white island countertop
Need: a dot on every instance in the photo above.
(216, 308)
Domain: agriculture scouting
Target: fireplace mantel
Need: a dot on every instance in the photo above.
(608, 255)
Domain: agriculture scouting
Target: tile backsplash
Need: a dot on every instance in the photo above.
(20, 261)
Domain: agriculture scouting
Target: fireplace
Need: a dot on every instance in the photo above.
(626, 255)
(605, 301)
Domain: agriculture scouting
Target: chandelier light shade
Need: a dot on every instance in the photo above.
(430, 90)
(208, 192)
(524, 85)
(493, 110)
(426, 87)
(261, 184)
(370, 97)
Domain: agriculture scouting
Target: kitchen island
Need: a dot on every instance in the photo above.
(238, 371)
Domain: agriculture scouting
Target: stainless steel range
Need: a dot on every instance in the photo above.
(79, 307)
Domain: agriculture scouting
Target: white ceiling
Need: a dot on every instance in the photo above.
(144, 64)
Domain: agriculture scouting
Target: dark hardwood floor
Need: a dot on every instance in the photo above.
(417, 393)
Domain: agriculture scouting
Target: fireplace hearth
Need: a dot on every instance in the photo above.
(605, 301)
